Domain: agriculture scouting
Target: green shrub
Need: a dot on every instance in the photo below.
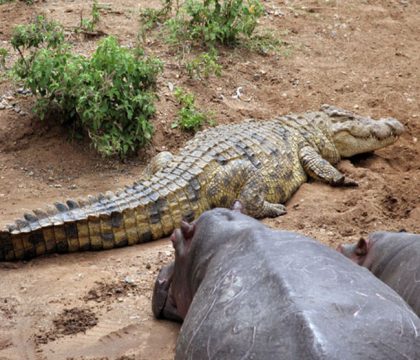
(214, 21)
(189, 118)
(108, 96)
(41, 33)
(115, 100)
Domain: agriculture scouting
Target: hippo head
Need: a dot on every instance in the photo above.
(357, 252)
(169, 299)
(163, 305)
(177, 282)
(180, 292)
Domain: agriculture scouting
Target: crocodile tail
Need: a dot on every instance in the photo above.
(93, 223)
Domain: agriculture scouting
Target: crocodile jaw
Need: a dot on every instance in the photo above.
(358, 136)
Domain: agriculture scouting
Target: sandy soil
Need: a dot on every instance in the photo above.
(361, 55)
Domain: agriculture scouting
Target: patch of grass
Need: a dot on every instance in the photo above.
(3, 54)
(28, 2)
(189, 118)
(3, 70)
(204, 65)
(265, 44)
(90, 24)
(149, 17)
(109, 96)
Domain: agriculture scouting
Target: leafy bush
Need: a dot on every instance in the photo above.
(41, 33)
(109, 96)
(204, 65)
(189, 118)
(214, 21)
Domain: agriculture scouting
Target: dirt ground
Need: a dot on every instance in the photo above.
(362, 55)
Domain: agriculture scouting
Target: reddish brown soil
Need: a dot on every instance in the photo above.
(360, 55)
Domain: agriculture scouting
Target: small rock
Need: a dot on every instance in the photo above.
(129, 280)
(31, 173)
(148, 266)
(23, 91)
(278, 13)
(170, 87)
(58, 186)
(73, 186)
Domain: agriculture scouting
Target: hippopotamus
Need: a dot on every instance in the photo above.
(392, 257)
(245, 291)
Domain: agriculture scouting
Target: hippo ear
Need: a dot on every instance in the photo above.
(187, 230)
(362, 247)
(237, 206)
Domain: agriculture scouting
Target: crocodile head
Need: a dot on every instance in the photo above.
(353, 134)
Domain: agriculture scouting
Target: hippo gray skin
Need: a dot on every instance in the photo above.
(246, 291)
(392, 257)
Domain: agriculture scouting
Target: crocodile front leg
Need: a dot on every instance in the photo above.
(320, 169)
(240, 180)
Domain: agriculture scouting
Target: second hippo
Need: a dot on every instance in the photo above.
(392, 257)
(245, 291)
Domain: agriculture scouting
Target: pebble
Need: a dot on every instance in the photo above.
(23, 91)
(129, 280)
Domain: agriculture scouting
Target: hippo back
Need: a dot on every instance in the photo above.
(397, 263)
(269, 294)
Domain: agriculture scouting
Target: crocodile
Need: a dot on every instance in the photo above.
(259, 163)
